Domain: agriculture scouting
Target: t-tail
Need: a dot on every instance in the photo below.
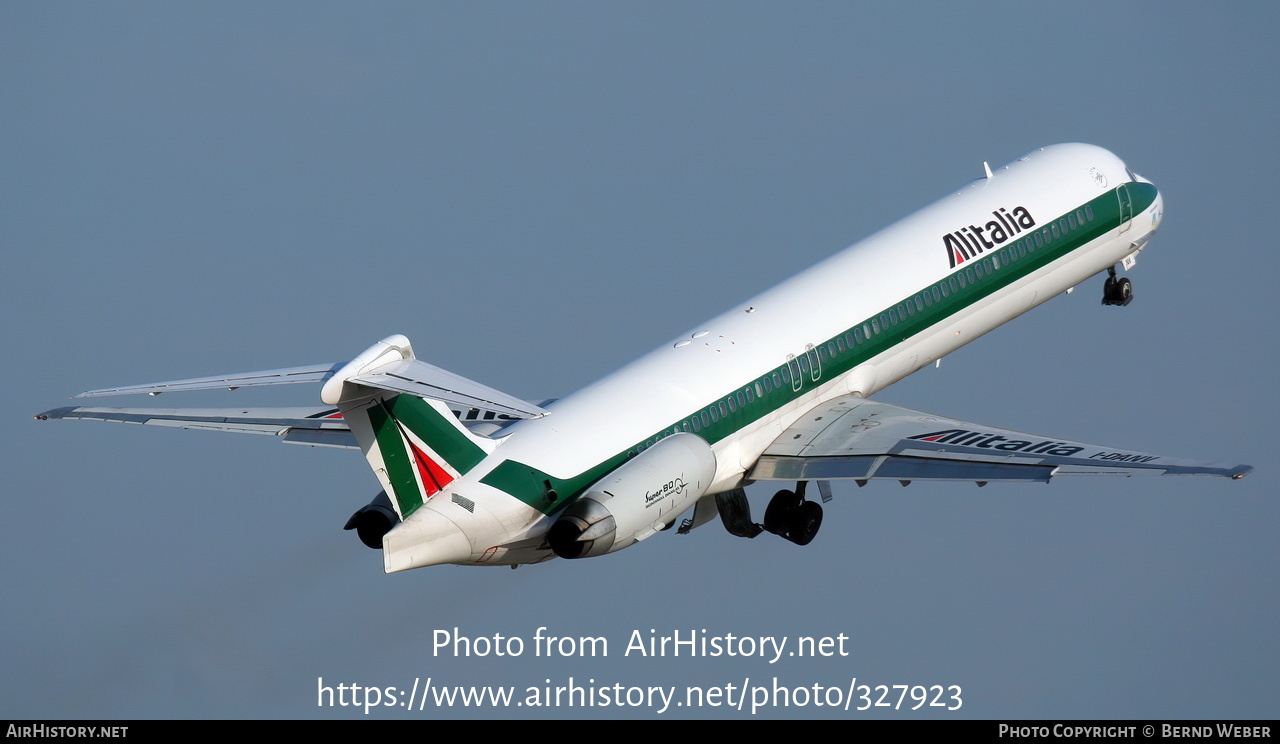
(395, 406)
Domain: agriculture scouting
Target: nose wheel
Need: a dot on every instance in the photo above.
(1117, 291)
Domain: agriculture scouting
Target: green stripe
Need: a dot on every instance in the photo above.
(399, 465)
(439, 433)
(530, 484)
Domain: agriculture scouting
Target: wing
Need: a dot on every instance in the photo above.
(857, 439)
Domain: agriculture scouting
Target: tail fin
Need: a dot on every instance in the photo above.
(415, 445)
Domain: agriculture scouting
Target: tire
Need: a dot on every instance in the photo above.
(1124, 291)
(805, 523)
(777, 517)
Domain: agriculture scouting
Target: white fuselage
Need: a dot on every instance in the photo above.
(663, 388)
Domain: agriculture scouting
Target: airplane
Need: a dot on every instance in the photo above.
(777, 388)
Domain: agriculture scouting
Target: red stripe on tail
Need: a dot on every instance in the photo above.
(434, 477)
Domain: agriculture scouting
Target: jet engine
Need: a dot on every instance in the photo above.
(373, 520)
(638, 499)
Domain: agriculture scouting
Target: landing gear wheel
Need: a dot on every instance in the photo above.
(1124, 291)
(781, 507)
(804, 523)
(1117, 290)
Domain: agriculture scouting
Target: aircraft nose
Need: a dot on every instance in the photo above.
(426, 538)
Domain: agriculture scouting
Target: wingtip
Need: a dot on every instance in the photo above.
(1240, 471)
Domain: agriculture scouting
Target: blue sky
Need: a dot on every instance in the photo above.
(536, 193)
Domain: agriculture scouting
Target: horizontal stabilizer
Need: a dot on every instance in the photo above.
(317, 427)
(416, 377)
(387, 365)
(287, 376)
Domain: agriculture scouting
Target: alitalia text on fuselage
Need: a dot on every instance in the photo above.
(969, 241)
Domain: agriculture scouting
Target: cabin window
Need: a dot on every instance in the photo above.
(786, 375)
(840, 344)
(733, 406)
(938, 293)
(920, 303)
(706, 418)
(865, 330)
(928, 299)
(1022, 248)
(875, 326)
(1071, 220)
(1088, 212)
(822, 353)
(751, 392)
(893, 317)
(911, 308)
(1039, 241)
(963, 281)
(715, 413)
(995, 261)
(776, 380)
(952, 281)
(1062, 226)
(804, 365)
(849, 338)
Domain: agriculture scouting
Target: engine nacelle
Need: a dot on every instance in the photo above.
(639, 498)
(373, 520)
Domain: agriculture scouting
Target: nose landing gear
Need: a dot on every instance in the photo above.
(1117, 291)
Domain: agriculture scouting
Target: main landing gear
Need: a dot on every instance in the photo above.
(1117, 291)
(790, 517)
